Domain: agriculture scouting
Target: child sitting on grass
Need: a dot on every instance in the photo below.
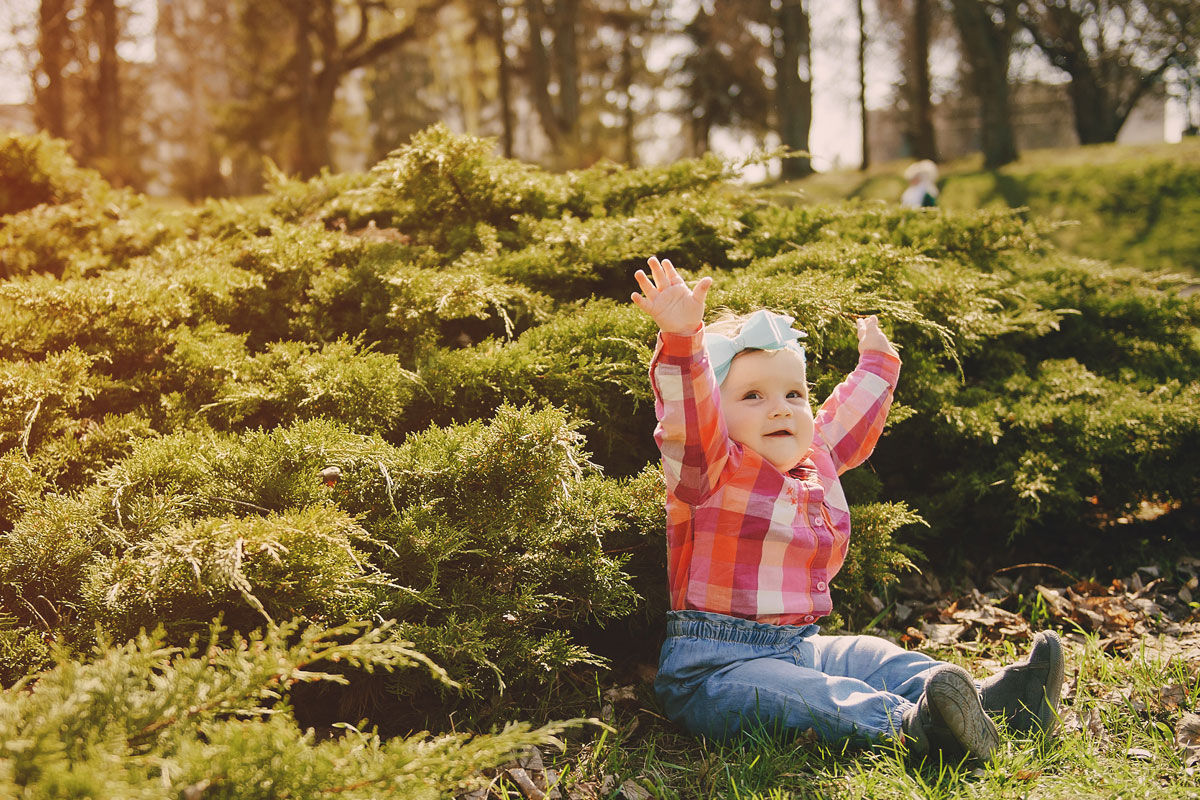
(757, 527)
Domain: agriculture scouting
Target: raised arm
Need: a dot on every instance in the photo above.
(850, 421)
(691, 434)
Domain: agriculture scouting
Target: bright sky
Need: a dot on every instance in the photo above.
(834, 137)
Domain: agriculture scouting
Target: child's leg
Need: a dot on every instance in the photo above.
(880, 664)
(719, 675)
(949, 717)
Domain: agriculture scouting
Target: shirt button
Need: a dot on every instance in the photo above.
(821, 586)
(809, 618)
(819, 522)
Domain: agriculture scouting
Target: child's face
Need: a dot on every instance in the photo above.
(764, 401)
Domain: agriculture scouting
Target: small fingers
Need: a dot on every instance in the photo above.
(645, 283)
(656, 270)
(865, 324)
(669, 270)
(701, 291)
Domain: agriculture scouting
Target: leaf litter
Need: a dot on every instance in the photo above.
(1146, 612)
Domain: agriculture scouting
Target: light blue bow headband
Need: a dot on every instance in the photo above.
(763, 330)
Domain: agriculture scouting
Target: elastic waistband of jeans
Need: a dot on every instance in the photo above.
(706, 625)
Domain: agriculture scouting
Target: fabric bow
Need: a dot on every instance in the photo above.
(764, 330)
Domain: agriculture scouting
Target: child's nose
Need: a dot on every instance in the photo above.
(781, 409)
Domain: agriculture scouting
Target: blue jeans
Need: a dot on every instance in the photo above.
(720, 675)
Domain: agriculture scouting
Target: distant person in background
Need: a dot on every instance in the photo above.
(922, 191)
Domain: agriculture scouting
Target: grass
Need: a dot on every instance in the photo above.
(1131, 204)
(1117, 739)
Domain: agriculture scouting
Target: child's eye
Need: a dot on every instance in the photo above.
(751, 396)
(796, 394)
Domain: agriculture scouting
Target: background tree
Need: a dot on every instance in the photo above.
(862, 85)
(479, 70)
(192, 56)
(398, 100)
(986, 28)
(555, 64)
(1185, 86)
(723, 80)
(82, 90)
(293, 55)
(626, 77)
(493, 17)
(106, 99)
(917, 82)
(54, 47)
(791, 40)
(750, 68)
(915, 21)
(1113, 50)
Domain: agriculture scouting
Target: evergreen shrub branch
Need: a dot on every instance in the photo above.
(148, 720)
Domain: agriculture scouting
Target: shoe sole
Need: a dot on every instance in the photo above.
(952, 692)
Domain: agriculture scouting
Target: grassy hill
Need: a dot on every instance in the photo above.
(1135, 205)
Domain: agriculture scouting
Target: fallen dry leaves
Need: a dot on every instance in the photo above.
(1088, 723)
(528, 771)
(1187, 739)
(1121, 613)
(535, 781)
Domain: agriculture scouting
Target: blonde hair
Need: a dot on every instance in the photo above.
(924, 169)
(727, 322)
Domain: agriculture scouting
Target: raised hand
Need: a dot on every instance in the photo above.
(870, 337)
(668, 300)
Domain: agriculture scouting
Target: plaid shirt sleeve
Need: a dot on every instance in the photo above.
(691, 432)
(850, 421)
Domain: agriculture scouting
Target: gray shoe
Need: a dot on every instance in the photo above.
(1026, 694)
(949, 719)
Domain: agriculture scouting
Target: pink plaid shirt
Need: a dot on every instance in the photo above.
(744, 539)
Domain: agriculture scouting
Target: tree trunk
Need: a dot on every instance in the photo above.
(504, 79)
(793, 85)
(1096, 121)
(921, 134)
(559, 122)
(314, 93)
(293, 101)
(302, 69)
(566, 52)
(50, 108)
(1058, 34)
(987, 45)
(701, 127)
(321, 153)
(539, 73)
(107, 97)
(628, 141)
(862, 85)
